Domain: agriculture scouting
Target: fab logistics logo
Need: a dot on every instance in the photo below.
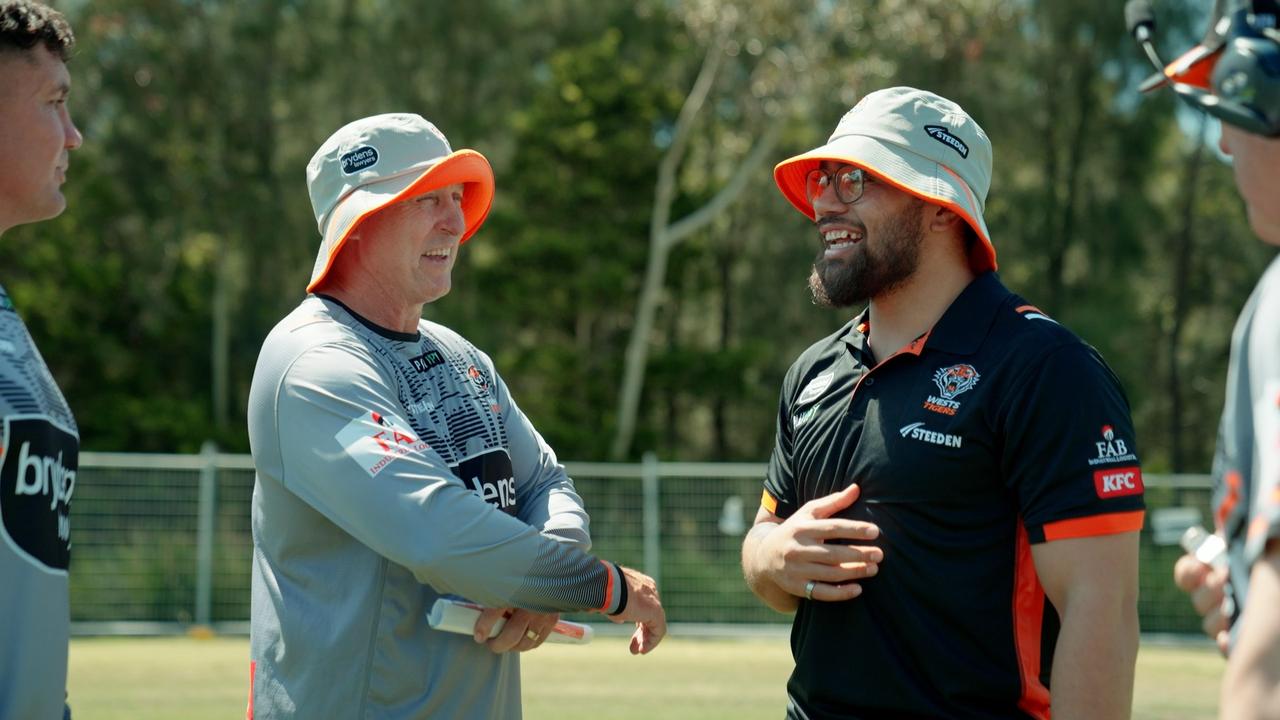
(1112, 449)
(373, 440)
(951, 381)
(1118, 482)
(490, 476)
(37, 478)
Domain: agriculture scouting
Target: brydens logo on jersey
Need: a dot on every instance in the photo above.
(1112, 449)
(1118, 482)
(37, 478)
(373, 440)
(489, 475)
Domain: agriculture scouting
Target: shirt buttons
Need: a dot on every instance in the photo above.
(869, 381)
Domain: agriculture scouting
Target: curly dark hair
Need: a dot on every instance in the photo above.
(24, 23)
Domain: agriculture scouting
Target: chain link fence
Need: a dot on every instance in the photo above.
(162, 542)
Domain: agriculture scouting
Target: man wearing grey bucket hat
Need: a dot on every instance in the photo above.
(952, 505)
(395, 469)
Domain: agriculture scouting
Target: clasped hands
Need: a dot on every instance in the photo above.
(807, 556)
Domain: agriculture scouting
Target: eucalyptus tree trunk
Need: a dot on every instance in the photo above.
(665, 235)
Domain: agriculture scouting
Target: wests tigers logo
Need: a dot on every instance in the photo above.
(952, 381)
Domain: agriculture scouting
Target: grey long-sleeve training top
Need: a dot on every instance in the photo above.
(39, 456)
(392, 469)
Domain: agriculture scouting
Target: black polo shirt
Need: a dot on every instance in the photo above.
(997, 429)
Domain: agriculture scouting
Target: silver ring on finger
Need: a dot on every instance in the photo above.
(533, 636)
(808, 589)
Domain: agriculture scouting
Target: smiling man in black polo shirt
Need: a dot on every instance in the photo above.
(953, 503)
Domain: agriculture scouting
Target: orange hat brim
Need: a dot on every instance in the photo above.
(466, 167)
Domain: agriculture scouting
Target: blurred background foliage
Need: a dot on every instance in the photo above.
(189, 232)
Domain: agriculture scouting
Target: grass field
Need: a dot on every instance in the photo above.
(154, 678)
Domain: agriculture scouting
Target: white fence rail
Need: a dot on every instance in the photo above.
(163, 541)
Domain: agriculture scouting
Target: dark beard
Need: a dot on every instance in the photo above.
(867, 274)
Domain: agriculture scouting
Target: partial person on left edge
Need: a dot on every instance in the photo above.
(41, 443)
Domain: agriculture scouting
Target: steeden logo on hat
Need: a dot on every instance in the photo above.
(365, 156)
(942, 135)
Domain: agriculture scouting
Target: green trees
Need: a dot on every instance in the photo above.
(189, 232)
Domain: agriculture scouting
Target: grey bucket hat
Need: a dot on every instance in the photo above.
(917, 141)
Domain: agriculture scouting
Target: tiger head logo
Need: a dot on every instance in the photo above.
(952, 381)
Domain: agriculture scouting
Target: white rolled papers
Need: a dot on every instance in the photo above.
(458, 616)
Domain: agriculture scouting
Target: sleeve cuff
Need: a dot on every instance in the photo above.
(1108, 524)
(768, 502)
(615, 592)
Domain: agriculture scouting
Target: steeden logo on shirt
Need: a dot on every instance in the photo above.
(917, 431)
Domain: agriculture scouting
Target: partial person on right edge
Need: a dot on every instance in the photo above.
(1234, 75)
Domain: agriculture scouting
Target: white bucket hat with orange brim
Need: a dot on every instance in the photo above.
(917, 141)
(381, 160)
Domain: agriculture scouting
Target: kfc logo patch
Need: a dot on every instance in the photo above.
(373, 440)
(1118, 482)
